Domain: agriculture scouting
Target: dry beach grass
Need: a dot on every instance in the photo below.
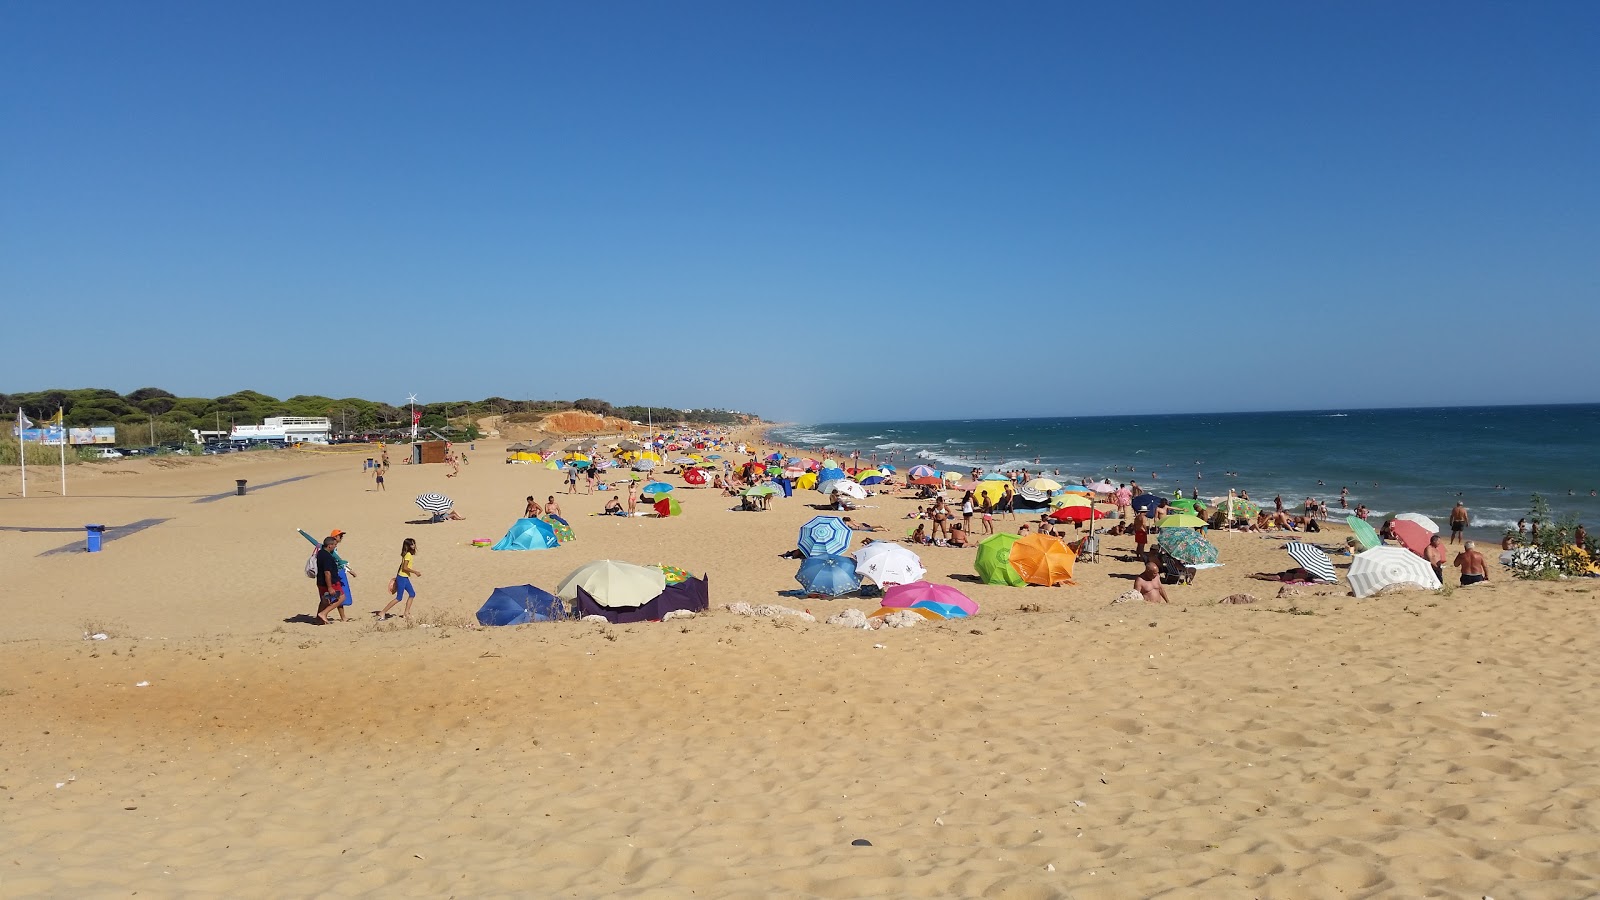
(1057, 745)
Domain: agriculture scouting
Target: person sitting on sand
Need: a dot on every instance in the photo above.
(1148, 583)
(1471, 564)
(920, 535)
(862, 526)
(959, 536)
(552, 511)
(614, 508)
(449, 515)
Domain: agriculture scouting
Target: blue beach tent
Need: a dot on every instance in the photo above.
(528, 534)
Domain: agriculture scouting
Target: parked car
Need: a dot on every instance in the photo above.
(108, 453)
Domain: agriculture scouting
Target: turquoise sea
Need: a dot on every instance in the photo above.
(1393, 460)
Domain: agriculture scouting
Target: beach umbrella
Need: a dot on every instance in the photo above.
(1146, 503)
(666, 506)
(925, 482)
(922, 472)
(994, 476)
(685, 461)
(673, 574)
(830, 464)
(643, 465)
(1373, 570)
(1185, 504)
(994, 491)
(1427, 524)
(847, 488)
(1043, 484)
(760, 490)
(1077, 514)
(828, 574)
(552, 464)
(1187, 546)
(1029, 495)
(630, 445)
(805, 482)
(1364, 533)
(826, 474)
(1043, 560)
(1182, 520)
(1100, 487)
(943, 599)
(952, 477)
(435, 503)
(1068, 501)
(888, 563)
(864, 474)
(528, 534)
(888, 470)
(576, 457)
(694, 476)
(578, 464)
(520, 605)
(613, 583)
(824, 535)
(993, 562)
(1237, 508)
(1313, 560)
(656, 487)
(1413, 536)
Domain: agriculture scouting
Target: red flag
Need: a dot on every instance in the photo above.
(416, 416)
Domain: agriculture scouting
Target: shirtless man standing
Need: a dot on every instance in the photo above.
(1148, 584)
(1458, 522)
(1470, 562)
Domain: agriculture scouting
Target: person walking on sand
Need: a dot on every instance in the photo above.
(329, 593)
(1470, 562)
(402, 581)
(377, 477)
(1435, 554)
(1458, 522)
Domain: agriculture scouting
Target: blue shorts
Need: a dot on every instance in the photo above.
(402, 586)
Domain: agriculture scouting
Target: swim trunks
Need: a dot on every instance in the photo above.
(1472, 579)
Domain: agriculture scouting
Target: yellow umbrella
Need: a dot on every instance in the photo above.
(577, 457)
(806, 482)
(952, 477)
(1063, 500)
(993, 490)
(1182, 520)
(1044, 484)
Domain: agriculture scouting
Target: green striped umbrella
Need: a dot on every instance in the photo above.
(1364, 533)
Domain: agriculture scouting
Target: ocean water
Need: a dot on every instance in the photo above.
(1393, 460)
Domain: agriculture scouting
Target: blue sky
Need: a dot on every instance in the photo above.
(819, 211)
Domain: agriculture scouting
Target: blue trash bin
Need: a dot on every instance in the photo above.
(94, 533)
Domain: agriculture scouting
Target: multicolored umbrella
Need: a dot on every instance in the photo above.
(864, 474)
(1365, 536)
(994, 476)
(666, 506)
(943, 599)
(888, 563)
(1373, 570)
(824, 535)
(1240, 508)
(1187, 546)
(922, 472)
(828, 574)
(673, 574)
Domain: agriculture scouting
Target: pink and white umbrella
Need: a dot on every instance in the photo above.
(1426, 523)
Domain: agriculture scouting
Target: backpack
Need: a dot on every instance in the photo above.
(311, 565)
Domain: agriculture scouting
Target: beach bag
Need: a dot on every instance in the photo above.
(394, 584)
(311, 565)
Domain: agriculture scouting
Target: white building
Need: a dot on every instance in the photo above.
(287, 430)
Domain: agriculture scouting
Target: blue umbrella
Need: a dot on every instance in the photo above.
(828, 574)
(577, 464)
(872, 479)
(656, 487)
(826, 479)
(519, 605)
(824, 535)
(1146, 503)
(996, 476)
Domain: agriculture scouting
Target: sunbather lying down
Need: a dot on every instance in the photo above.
(448, 516)
(862, 526)
(1288, 576)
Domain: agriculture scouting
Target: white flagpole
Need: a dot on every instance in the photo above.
(22, 451)
(60, 414)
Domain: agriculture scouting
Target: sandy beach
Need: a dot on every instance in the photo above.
(1056, 745)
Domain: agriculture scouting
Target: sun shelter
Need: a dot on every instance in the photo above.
(993, 562)
(1365, 536)
(824, 534)
(694, 477)
(1043, 560)
(613, 583)
(942, 600)
(828, 574)
(1412, 535)
(667, 506)
(688, 595)
(1313, 560)
(1373, 570)
(528, 534)
(888, 563)
(520, 605)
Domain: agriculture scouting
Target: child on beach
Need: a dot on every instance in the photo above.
(402, 581)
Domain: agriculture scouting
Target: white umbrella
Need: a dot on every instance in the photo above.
(613, 583)
(1373, 570)
(1101, 487)
(848, 488)
(1431, 526)
(887, 563)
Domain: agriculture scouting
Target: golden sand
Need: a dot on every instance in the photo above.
(1418, 744)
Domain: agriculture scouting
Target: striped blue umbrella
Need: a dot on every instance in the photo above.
(824, 535)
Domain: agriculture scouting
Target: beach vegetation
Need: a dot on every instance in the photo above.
(1547, 552)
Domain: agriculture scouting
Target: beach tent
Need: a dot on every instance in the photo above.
(519, 605)
(828, 574)
(945, 601)
(528, 534)
(691, 595)
(887, 563)
(1373, 570)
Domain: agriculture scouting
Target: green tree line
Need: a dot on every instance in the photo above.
(173, 415)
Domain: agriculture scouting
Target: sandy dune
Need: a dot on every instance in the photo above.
(1412, 745)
